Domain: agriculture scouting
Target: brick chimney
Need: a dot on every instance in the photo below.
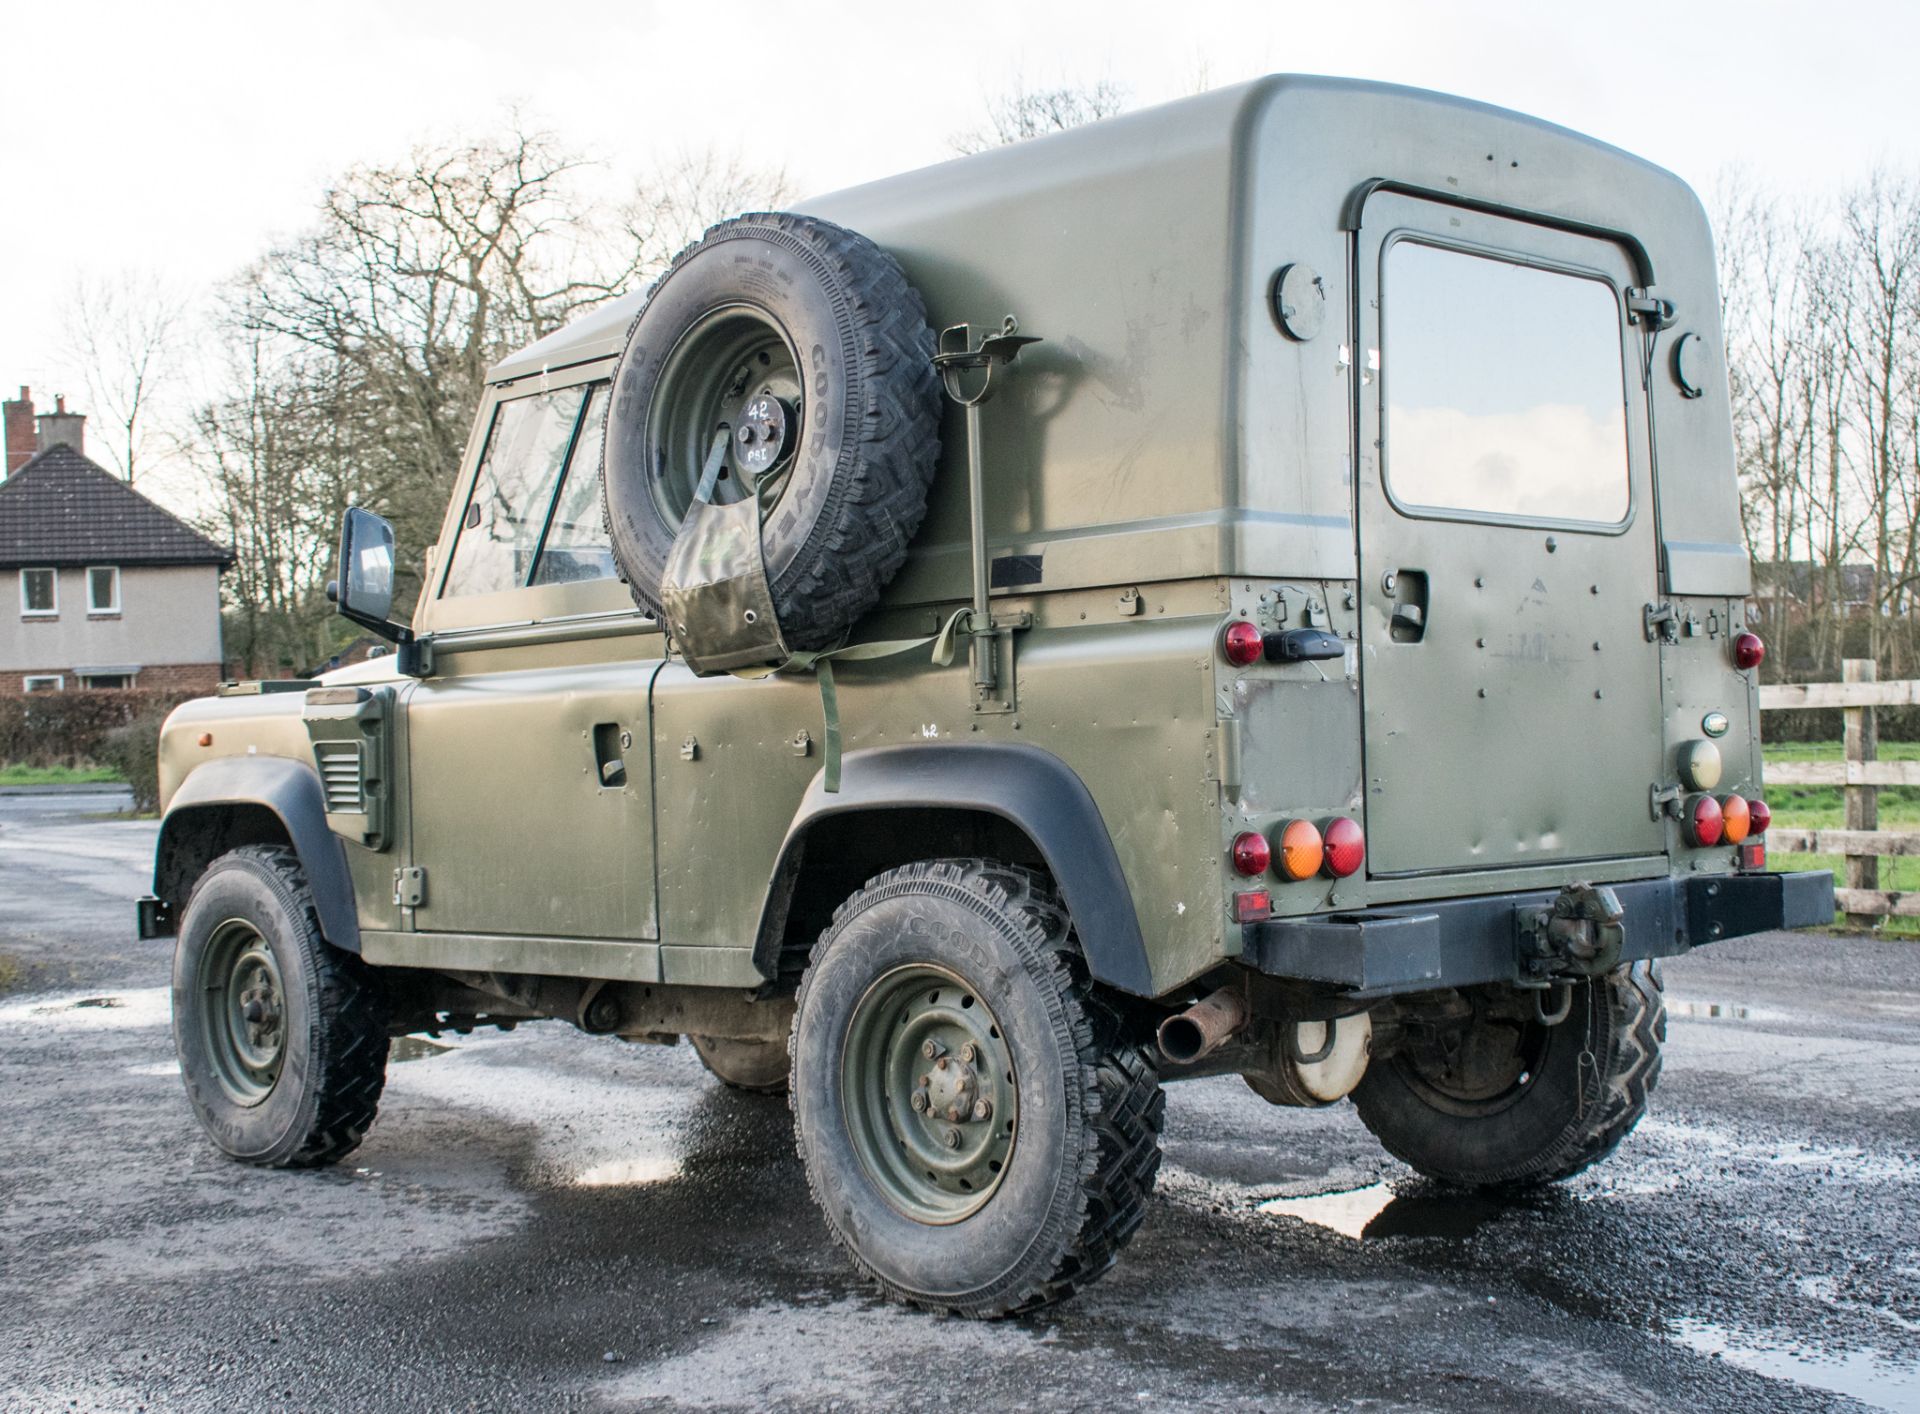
(61, 426)
(21, 440)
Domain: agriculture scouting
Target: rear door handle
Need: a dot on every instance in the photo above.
(1407, 623)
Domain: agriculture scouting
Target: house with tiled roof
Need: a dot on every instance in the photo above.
(110, 591)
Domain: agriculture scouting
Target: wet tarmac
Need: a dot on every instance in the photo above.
(547, 1220)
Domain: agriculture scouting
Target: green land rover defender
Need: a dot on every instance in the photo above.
(1322, 659)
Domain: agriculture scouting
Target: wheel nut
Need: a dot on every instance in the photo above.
(940, 1064)
(919, 1102)
(953, 1114)
(969, 1053)
(953, 1139)
(932, 1048)
(983, 1109)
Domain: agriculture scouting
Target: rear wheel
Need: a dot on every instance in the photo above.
(1501, 1099)
(282, 1037)
(977, 1124)
(758, 1066)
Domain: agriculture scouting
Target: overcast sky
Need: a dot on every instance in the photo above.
(186, 136)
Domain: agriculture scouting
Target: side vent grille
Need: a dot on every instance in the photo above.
(340, 775)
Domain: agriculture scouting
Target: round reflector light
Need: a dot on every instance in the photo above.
(1301, 850)
(1736, 819)
(1748, 651)
(1703, 822)
(1251, 853)
(1346, 846)
(1758, 818)
(1241, 643)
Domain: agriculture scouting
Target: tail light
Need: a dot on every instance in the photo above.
(1240, 643)
(1301, 850)
(1253, 906)
(1703, 822)
(1758, 818)
(1748, 651)
(1736, 818)
(1346, 846)
(1251, 853)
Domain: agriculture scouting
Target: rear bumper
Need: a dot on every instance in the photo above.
(1465, 941)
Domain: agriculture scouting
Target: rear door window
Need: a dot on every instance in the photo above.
(576, 544)
(1505, 389)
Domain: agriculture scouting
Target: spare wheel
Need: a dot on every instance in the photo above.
(804, 344)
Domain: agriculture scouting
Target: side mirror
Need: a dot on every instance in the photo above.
(364, 591)
(365, 587)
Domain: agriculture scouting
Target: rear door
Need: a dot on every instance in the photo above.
(1507, 546)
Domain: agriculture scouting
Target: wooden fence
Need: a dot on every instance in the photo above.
(1862, 842)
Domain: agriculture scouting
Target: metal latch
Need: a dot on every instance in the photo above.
(1662, 621)
(409, 887)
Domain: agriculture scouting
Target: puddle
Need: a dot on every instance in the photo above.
(1722, 1011)
(1375, 1212)
(150, 1006)
(413, 1048)
(628, 1173)
(1868, 1376)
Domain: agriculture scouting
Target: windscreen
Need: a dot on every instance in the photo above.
(1505, 388)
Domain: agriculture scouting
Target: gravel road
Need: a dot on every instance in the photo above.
(550, 1220)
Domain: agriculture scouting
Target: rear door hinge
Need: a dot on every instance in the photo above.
(409, 887)
(1662, 622)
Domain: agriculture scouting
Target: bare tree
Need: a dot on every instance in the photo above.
(1021, 113)
(360, 349)
(122, 341)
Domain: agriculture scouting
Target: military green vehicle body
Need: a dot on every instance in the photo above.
(1167, 459)
(1517, 686)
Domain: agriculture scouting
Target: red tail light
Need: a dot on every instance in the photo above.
(1251, 853)
(1704, 822)
(1346, 846)
(1758, 818)
(1240, 644)
(1736, 819)
(1748, 651)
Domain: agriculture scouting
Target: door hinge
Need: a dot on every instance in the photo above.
(1646, 308)
(409, 887)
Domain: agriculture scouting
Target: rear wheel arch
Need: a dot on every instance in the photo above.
(901, 805)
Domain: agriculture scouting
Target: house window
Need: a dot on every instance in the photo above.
(99, 680)
(103, 589)
(39, 592)
(46, 682)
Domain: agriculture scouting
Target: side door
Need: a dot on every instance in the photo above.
(529, 756)
(1507, 546)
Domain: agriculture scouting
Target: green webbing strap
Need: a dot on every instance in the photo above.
(822, 665)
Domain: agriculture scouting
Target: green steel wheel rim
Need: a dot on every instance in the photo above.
(728, 372)
(930, 1093)
(243, 1011)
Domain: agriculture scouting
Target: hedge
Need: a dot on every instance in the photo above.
(71, 728)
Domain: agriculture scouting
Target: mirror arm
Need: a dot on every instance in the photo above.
(412, 657)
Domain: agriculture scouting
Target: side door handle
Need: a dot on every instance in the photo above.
(1407, 621)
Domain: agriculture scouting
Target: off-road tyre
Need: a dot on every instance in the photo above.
(1087, 1147)
(868, 435)
(326, 1092)
(758, 1067)
(1588, 1090)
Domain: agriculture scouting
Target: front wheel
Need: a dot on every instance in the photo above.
(976, 1123)
(282, 1037)
(1498, 1099)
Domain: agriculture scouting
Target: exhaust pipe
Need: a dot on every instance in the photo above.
(1204, 1027)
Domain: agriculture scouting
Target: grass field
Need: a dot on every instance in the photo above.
(56, 775)
(1822, 808)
